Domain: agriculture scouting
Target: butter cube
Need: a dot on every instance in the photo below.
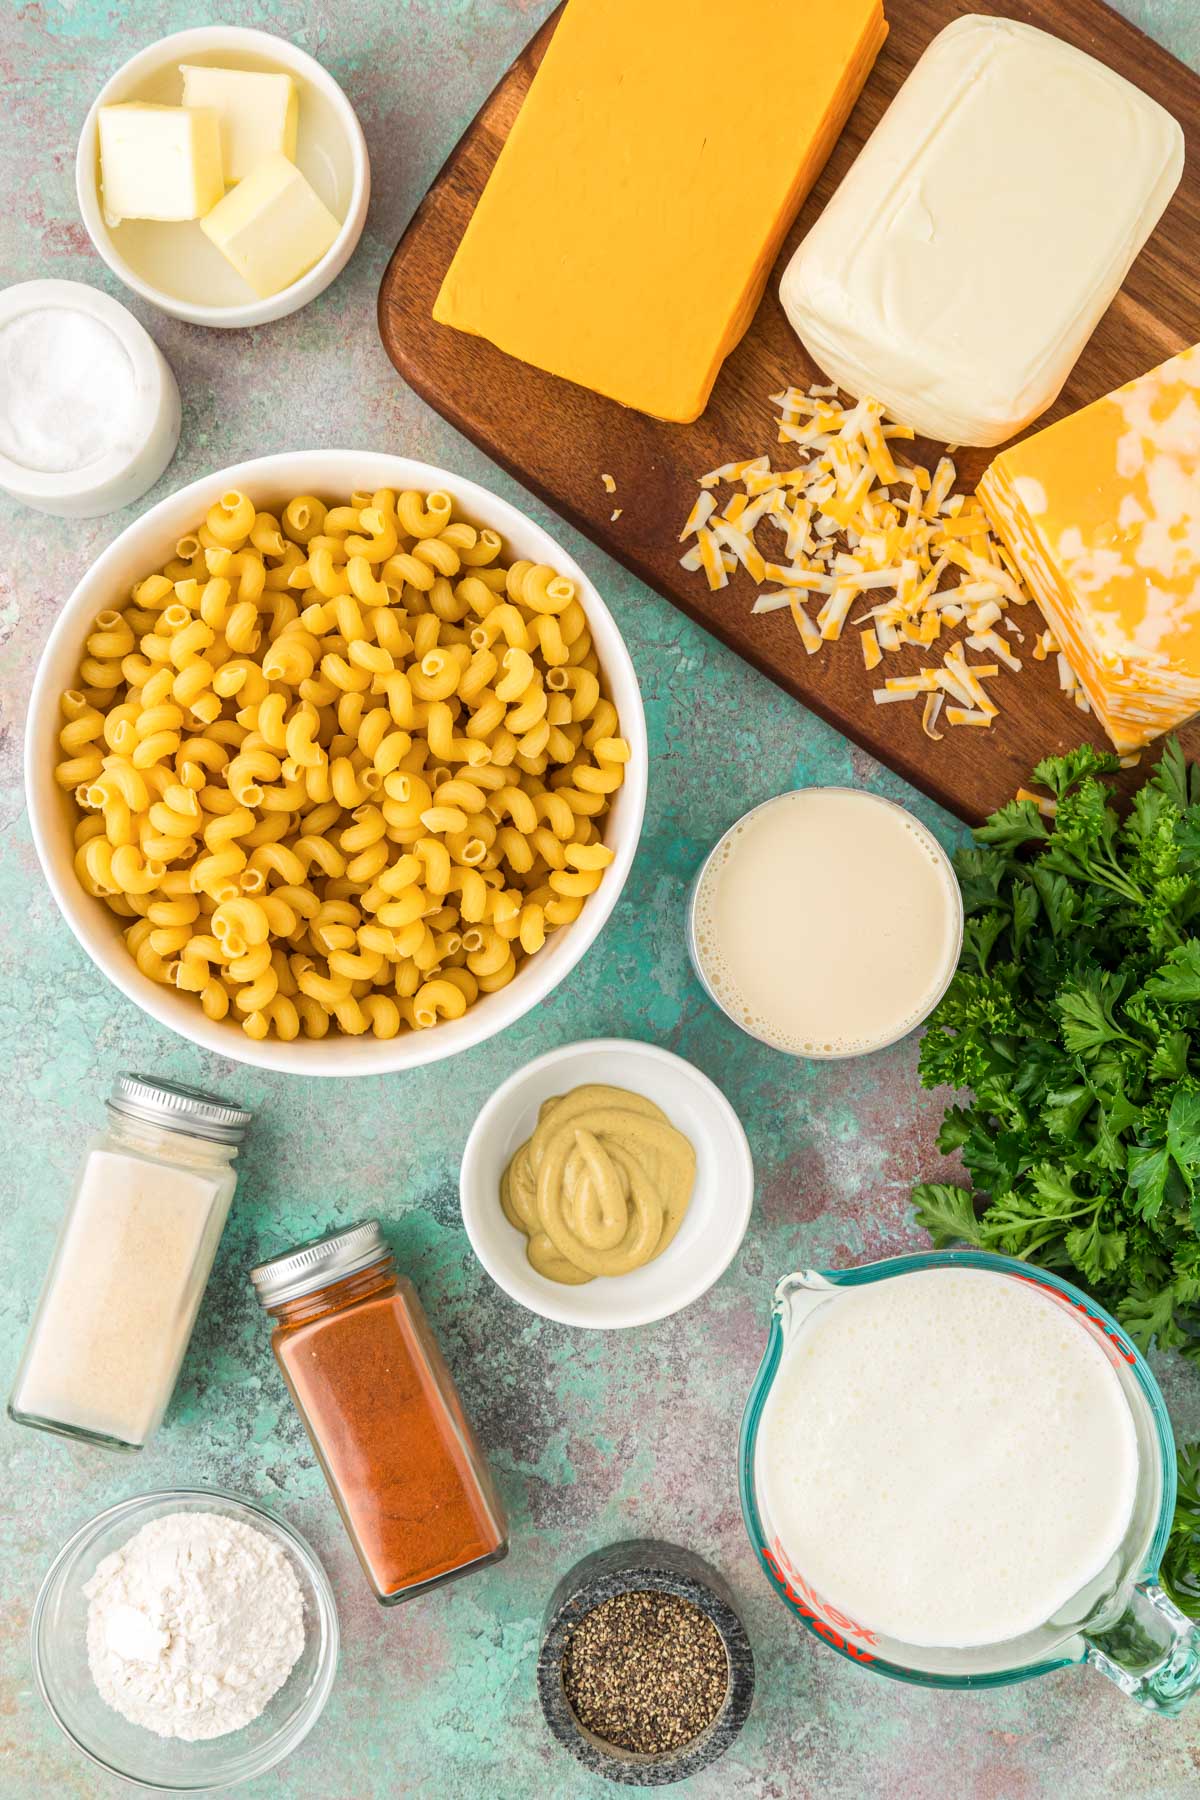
(159, 162)
(271, 226)
(257, 112)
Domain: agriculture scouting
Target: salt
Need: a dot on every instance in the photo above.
(68, 391)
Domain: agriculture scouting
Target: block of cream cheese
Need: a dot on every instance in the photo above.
(258, 111)
(967, 257)
(627, 230)
(271, 226)
(1102, 513)
(159, 162)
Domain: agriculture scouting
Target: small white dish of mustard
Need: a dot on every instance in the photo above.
(606, 1184)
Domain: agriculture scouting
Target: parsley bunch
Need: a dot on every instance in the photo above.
(1074, 1021)
(1180, 1572)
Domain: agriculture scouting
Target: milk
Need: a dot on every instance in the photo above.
(947, 1457)
(827, 922)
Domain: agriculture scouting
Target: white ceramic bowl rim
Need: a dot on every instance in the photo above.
(326, 471)
(297, 1729)
(556, 1301)
(195, 41)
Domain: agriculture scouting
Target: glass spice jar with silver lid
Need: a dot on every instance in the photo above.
(382, 1412)
(132, 1260)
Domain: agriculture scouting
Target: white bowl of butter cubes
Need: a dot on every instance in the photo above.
(222, 174)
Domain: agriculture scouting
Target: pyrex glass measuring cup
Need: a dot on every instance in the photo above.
(1124, 1625)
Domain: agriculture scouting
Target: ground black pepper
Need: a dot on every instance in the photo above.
(645, 1672)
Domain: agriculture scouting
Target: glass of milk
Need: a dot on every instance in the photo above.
(958, 1471)
(826, 922)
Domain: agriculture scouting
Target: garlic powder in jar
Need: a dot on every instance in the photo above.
(133, 1257)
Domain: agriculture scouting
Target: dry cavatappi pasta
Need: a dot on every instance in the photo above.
(341, 767)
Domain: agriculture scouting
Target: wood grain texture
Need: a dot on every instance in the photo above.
(558, 439)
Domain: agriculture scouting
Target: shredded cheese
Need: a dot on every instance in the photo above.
(810, 637)
(610, 486)
(700, 514)
(712, 560)
(1045, 805)
(858, 526)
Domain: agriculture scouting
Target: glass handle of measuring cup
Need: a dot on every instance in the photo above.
(1152, 1651)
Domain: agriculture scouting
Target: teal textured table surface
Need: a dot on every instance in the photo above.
(593, 1437)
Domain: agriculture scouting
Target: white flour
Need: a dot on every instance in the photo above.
(193, 1625)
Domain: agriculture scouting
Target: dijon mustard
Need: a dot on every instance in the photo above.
(601, 1187)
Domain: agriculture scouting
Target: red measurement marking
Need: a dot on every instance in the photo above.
(826, 1620)
(1123, 1350)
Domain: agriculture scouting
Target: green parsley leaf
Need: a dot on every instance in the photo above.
(1086, 1007)
(1170, 1059)
(1178, 979)
(1066, 1110)
(1025, 909)
(1059, 899)
(946, 1213)
(1094, 1252)
(1061, 773)
(1180, 1571)
(1148, 1171)
(1173, 778)
(1148, 1315)
(979, 937)
(1018, 823)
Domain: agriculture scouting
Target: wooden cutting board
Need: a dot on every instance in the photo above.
(559, 439)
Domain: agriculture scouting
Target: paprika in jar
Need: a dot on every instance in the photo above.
(381, 1409)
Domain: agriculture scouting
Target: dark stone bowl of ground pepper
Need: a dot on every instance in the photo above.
(645, 1672)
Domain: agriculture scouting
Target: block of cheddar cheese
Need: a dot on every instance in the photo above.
(995, 210)
(625, 235)
(1102, 513)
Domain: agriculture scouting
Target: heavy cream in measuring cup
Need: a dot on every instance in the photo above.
(827, 922)
(947, 1457)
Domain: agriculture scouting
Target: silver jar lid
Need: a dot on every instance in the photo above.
(176, 1107)
(320, 1262)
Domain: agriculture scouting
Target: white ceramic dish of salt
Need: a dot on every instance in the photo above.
(89, 409)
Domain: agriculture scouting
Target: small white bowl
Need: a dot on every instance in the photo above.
(146, 545)
(174, 266)
(126, 469)
(712, 1229)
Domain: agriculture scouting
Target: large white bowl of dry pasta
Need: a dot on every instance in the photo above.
(336, 763)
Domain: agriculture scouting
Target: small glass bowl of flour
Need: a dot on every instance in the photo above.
(125, 1632)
